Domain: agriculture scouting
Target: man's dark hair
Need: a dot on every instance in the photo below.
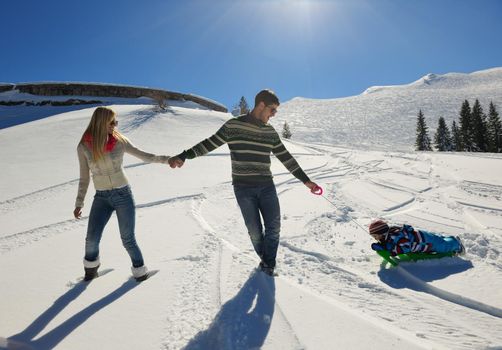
(266, 96)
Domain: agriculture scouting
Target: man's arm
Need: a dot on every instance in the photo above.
(292, 165)
(200, 149)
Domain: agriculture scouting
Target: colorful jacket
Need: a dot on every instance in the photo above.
(402, 240)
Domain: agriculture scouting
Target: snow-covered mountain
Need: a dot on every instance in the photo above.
(381, 118)
(384, 117)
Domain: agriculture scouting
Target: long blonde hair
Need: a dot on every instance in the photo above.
(98, 130)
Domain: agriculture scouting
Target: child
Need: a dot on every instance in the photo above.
(405, 239)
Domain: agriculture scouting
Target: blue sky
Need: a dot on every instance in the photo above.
(227, 49)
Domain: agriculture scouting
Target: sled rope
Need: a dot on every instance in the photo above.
(318, 191)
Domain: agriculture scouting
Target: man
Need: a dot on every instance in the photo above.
(251, 140)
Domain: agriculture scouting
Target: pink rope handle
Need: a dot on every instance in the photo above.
(318, 191)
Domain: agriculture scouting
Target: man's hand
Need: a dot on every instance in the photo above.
(77, 213)
(175, 162)
(314, 188)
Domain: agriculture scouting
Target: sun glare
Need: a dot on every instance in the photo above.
(298, 19)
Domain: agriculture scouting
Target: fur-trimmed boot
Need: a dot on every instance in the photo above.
(140, 273)
(91, 269)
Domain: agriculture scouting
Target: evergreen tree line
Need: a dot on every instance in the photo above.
(475, 131)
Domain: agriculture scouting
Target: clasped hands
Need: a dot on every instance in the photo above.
(175, 162)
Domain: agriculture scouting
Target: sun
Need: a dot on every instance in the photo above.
(297, 20)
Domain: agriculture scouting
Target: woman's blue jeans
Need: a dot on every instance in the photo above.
(105, 202)
(255, 201)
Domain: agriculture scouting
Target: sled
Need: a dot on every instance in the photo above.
(395, 260)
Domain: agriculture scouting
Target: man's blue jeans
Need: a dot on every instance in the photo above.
(105, 202)
(256, 200)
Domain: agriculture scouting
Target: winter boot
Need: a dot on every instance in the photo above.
(140, 273)
(91, 269)
(266, 269)
(462, 248)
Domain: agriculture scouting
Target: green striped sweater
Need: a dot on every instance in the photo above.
(250, 143)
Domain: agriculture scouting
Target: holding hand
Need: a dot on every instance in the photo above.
(175, 162)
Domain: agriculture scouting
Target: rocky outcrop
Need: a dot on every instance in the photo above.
(107, 90)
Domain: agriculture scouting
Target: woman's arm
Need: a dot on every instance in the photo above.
(144, 156)
(85, 177)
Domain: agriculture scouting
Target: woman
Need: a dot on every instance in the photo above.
(101, 151)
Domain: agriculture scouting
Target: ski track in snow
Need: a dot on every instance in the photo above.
(368, 288)
(307, 264)
(44, 193)
(19, 239)
(199, 291)
(220, 342)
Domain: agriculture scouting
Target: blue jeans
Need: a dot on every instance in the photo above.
(256, 200)
(441, 244)
(105, 202)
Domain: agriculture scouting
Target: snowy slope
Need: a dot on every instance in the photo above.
(384, 117)
(332, 291)
(18, 114)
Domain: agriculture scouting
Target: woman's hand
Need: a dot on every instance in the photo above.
(77, 213)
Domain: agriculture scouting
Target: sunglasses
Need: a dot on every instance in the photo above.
(114, 123)
(272, 109)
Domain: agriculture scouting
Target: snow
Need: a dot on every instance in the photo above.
(332, 290)
(385, 117)
(14, 115)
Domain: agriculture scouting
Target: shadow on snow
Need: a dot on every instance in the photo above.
(416, 275)
(25, 339)
(240, 324)
(425, 271)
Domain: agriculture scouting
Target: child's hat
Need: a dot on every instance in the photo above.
(378, 227)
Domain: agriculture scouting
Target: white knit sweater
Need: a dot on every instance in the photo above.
(108, 173)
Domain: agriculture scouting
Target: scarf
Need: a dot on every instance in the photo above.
(109, 145)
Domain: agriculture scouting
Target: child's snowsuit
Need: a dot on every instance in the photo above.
(405, 239)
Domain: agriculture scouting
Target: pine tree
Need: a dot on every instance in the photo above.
(494, 127)
(243, 105)
(466, 139)
(479, 129)
(240, 108)
(442, 137)
(456, 137)
(286, 131)
(423, 142)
